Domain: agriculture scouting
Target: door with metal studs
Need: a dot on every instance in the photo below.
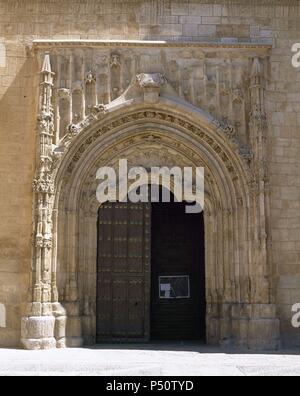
(151, 276)
(123, 272)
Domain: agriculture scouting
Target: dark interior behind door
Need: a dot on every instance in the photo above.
(177, 251)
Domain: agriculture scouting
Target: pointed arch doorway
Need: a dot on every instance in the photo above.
(150, 273)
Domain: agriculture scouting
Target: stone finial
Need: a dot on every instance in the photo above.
(47, 74)
(46, 68)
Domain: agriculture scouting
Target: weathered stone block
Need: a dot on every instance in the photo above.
(264, 334)
(38, 327)
(207, 30)
(201, 9)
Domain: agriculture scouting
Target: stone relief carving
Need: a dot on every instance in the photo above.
(43, 184)
(75, 129)
(156, 80)
(100, 109)
(115, 60)
(157, 117)
(227, 129)
(90, 78)
(238, 95)
(218, 83)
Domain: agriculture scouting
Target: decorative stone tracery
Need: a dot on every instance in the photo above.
(39, 328)
(151, 124)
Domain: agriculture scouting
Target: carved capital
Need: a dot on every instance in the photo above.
(64, 93)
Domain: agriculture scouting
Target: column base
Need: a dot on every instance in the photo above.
(44, 331)
(38, 332)
(34, 345)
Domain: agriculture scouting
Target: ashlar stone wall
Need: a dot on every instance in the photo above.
(240, 21)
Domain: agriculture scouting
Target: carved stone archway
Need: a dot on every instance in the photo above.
(149, 125)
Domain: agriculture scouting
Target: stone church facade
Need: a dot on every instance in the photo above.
(160, 83)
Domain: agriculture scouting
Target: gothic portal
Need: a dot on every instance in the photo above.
(110, 272)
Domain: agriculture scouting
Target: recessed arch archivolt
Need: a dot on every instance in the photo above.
(162, 134)
(209, 131)
(184, 127)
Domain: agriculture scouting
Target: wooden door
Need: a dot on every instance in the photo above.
(177, 262)
(123, 289)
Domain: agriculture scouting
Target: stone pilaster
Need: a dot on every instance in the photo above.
(44, 319)
(263, 327)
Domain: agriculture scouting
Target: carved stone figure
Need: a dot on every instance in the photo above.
(115, 60)
(156, 80)
(90, 78)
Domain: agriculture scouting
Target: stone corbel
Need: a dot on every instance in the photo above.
(151, 85)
